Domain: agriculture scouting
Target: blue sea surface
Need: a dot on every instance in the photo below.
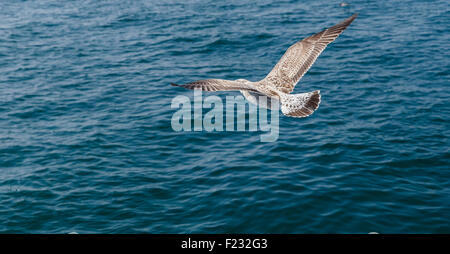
(86, 142)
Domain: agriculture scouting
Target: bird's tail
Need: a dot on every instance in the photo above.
(300, 105)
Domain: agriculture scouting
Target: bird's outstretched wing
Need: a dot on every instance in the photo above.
(212, 85)
(299, 57)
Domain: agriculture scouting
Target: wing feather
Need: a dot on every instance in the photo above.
(212, 85)
(299, 57)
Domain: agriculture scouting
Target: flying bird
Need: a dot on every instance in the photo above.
(280, 82)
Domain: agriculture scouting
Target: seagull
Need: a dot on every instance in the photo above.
(281, 80)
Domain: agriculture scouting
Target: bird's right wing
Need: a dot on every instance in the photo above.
(212, 85)
(299, 57)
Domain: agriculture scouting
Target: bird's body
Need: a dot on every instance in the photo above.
(280, 82)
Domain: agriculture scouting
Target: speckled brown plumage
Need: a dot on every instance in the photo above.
(281, 80)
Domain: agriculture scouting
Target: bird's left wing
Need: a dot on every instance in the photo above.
(212, 85)
(299, 57)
